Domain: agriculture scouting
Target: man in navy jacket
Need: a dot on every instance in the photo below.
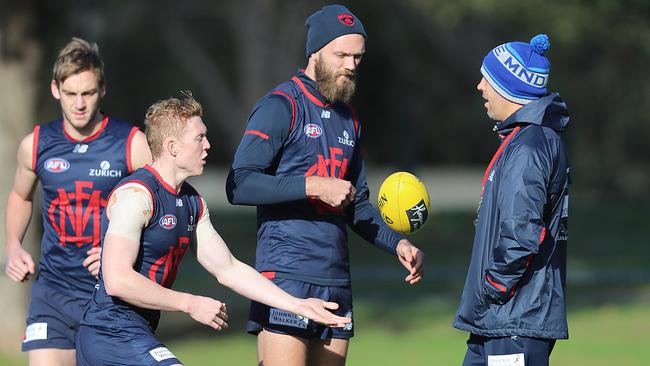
(513, 303)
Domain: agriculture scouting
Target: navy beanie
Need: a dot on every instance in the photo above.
(518, 71)
(329, 23)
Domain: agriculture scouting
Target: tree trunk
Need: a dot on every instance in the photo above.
(20, 58)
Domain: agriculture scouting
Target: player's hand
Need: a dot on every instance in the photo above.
(332, 191)
(208, 311)
(412, 259)
(19, 263)
(318, 310)
(92, 261)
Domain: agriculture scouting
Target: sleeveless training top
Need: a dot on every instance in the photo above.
(163, 244)
(76, 177)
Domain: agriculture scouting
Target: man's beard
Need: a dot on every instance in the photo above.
(326, 84)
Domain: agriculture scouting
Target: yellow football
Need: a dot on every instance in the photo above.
(403, 202)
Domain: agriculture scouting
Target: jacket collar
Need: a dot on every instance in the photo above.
(549, 111)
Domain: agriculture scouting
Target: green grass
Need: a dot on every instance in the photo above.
(395, 324)
(606, 335)
(420, 334)
(609, 308)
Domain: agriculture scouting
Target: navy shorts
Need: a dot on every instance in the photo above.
(108, 346)
(512, 351)
(280, 321)
(53, 318)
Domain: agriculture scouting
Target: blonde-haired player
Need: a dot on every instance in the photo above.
(152, 219)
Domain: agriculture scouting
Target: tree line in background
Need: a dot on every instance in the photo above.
(416, 98)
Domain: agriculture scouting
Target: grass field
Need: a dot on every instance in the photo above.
(603, 336)
(607, 335)
(609, 296)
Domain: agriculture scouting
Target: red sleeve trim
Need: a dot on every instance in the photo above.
(293, 106)
(129, 141)
(269, 275)
(257, 133)
(37, 131)
(498, 286)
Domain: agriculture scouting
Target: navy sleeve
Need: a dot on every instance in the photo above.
(251, 181)
(521, 199)
(363, 217)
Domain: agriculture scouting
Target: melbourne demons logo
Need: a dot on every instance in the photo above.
(346, 19)
(313, 130)
(169, 263)
(75, 216)
(57, 165)
(168, 221)
(334, 166)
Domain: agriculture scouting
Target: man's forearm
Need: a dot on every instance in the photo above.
(248, 187)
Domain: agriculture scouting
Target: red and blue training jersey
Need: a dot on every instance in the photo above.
(294, 133)
(163, 244)
(76, 177)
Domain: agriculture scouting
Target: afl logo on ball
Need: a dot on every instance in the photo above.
(346, 19)
(168, 222)
(57, 165)
(313, 130)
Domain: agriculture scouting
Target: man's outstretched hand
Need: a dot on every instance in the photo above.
(412, 259)
(319, 311)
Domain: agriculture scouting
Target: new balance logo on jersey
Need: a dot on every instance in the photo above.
(345, 140)
(349, 325)
(57, 165)
(179, 202)
(80, 148)
(325, 114)
(105, 171)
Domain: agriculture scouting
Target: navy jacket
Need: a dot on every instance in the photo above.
(516, 279)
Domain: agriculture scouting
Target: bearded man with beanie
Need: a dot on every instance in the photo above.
(514, 300)
(299, 162)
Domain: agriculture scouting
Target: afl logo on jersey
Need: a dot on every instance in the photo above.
(57, 165)
(313, 130)
(168, 221)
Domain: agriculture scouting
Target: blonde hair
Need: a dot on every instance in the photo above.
(168, 118)
(78, 56)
